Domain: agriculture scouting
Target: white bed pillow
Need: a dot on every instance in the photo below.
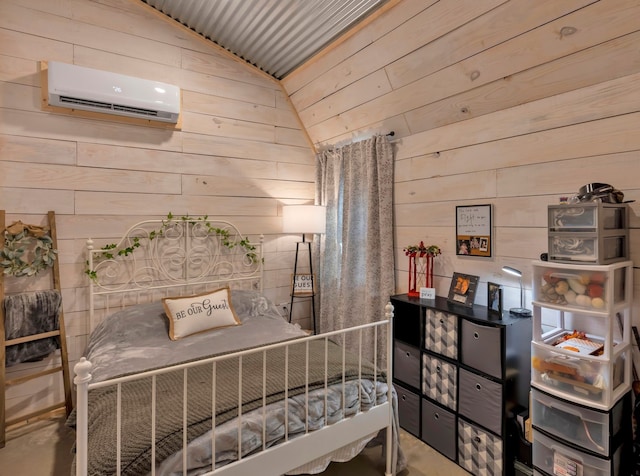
(202, 312)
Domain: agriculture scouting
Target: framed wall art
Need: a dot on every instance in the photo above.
(494, 299)
(463, 289)
(473, 230)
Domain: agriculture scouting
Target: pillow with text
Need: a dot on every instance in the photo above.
(199, 313)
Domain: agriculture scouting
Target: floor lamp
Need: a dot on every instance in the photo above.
(303, 219)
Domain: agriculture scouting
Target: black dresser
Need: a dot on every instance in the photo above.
(460, 373)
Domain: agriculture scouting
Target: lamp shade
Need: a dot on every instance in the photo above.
(518, 311)
(513, 271)
(303, 219)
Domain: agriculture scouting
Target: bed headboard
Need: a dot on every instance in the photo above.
(170, 257)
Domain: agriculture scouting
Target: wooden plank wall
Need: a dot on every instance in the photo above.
(240, 155)
(513, 103)
(489, 105)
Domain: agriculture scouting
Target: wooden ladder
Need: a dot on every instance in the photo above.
(67, 404)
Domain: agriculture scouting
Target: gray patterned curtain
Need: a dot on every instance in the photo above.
(355, 183)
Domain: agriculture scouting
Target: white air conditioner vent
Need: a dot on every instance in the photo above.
(77, 87)
(71, 102)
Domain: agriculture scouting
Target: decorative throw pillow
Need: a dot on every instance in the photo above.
(202, 312)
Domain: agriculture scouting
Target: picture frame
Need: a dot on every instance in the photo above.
(463, 289)
(474, 232)
(303, 284)
(494, 299)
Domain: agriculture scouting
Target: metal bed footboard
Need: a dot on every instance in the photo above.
(276, 460)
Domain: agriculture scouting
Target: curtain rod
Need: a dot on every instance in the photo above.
(388, 134)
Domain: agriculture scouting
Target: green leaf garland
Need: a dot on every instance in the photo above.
(25, 254)
(109, 251)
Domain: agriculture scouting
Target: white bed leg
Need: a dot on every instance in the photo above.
(391, 447)
(83, 376)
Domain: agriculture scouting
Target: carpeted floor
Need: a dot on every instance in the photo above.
(43, 448)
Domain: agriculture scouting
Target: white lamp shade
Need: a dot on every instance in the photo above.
(303, 219)
(513, 271)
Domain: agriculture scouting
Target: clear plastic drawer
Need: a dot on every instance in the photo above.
(597, 288)
(553, 457)
(587, 380)
(587, 217)
(591, 429)
(591, 248)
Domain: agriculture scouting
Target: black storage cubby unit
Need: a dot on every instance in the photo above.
(459, 373)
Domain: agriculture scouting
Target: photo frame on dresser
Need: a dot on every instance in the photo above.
(463, 289)
(494, 299)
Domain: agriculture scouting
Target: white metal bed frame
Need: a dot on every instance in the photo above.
(189, 255)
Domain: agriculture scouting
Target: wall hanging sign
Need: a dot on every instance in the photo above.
(473, 230)
(302, 284)
(463, 289)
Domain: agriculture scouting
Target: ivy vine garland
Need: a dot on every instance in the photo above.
(27, 250)
(109, 251)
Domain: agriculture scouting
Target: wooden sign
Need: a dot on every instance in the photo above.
(302, 284)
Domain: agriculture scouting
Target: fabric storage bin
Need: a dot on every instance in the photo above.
(553, 457)
(480, 400)
(441, 333)
(406, 363)
(479, 452)
(408, 409)
(603, 248)
(439, 380)
(586, 427)
(481, 347)
(588, 380)
(595, 288)
(588, 217)
(439, 428)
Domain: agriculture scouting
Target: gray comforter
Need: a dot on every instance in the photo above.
(135, 339)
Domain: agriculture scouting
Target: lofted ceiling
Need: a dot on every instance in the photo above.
(275, 35)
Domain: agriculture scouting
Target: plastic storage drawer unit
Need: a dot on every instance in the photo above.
(553, 457)
(596, 288)
(588, 217)
(591, 429)
(588, 233)
(589, 248)
(588, 380)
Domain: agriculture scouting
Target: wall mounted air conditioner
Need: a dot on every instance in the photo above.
(88, 89)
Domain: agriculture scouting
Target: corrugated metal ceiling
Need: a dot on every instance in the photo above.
(274, 35)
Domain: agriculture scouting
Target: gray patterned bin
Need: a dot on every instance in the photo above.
(479, 452)
(441, 333)
(439, 381)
